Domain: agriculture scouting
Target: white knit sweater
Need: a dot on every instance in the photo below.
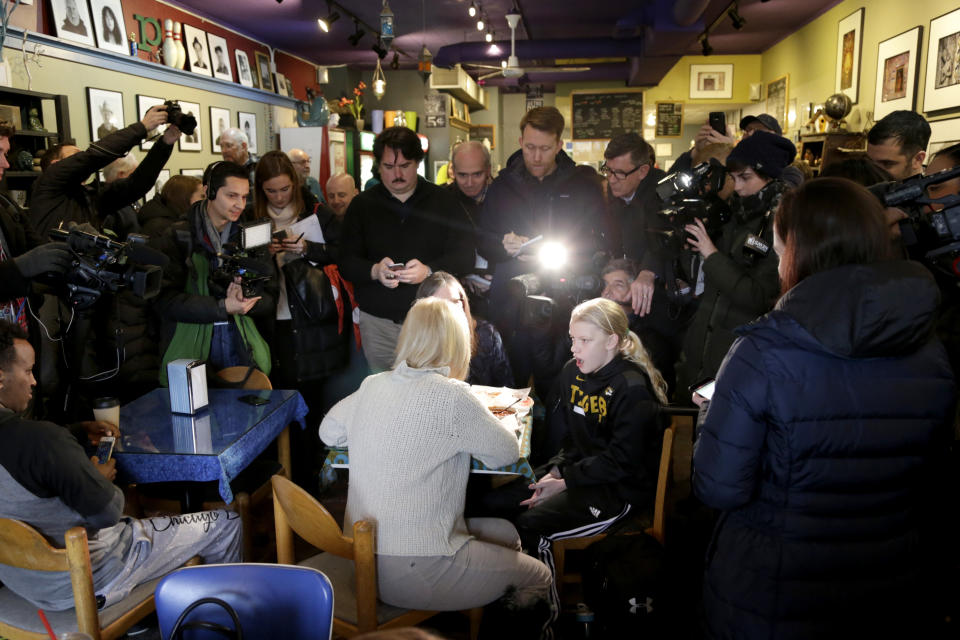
(411, 433)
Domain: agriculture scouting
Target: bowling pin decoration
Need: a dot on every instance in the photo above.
(182, 59)
(171, 55)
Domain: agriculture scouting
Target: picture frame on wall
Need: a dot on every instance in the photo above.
(942, 86)
(849, 45)
(711, 81)
(778, 94)
(263, 70)
(898, 63)
(71, 18)
(109, 25)
(245, 73)
(290, 88)
(198, 55)
(481, 132)
(280, 81)
(219, 122)
(143, 105)
(247, 123)
(219, 57)
(10, 113)
(162, 178)
(105, 111)
(194, 142)
(194, 173)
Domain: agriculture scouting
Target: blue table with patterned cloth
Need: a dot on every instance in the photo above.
(216, 443)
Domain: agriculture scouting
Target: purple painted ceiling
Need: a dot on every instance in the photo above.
(643, 34)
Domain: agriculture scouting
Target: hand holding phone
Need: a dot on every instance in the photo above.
(718, 120)
(704, 388)
(279, 236)
(105, 448)
(396, 266)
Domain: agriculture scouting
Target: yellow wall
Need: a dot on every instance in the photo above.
(810, 54)
(675, 86)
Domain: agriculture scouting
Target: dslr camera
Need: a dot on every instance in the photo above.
(691, 195)
(236, 263)
(183, 121)
(543, 296)
(927, 235)
(101, 263)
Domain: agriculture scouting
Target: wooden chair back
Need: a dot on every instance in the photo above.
(296, 510)
(24, 547)
(252, 378)
(663, 482)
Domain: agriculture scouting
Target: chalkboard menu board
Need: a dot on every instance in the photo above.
(669, 119)
(600, 116)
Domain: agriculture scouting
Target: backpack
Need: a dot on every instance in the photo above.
(623, 584)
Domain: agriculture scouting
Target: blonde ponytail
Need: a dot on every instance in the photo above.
(610, 318)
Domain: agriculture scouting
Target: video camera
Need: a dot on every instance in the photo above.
(183, 121)
(101, 263)
(932, 236)
(549, 292)
(690, 195)
(236, 264)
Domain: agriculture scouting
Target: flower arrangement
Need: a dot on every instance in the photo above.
(355, 105)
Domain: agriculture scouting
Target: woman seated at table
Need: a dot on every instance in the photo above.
(607, 402)
(489, 365)
(826, 439)
(411, 433)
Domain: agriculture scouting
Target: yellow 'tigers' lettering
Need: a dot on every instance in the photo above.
(590, 404)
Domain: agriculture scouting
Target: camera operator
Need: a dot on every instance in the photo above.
(740, 275)
(205, 310)
(60, 195)
(541, 193)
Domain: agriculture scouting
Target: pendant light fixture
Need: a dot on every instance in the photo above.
(379, 81)
(386, 25)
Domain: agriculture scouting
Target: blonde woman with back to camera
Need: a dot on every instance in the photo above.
(411, 433)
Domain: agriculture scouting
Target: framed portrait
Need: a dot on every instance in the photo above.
(849, 32)
(72, 21)
(942, 87)
(105, 109)
(196, 173)
(263, 70)
(247, 122)
(290, 88)
(711, 81)
(778, 92)
(143, 105)
(244, 72)
(219, 122)
(219, 57)
(898, 62)
(280, 81)
(158, 185)
(109, 26)
(943, 133)
(198, 56)
(194, 142)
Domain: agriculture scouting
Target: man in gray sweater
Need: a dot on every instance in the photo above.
(47, 481)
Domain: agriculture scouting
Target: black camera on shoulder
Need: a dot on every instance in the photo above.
(544, 296)
(932, 236)
(691, 195)
(183, 121)
(236, 265)
(101, 263)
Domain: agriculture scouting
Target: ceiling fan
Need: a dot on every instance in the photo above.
(512, 68)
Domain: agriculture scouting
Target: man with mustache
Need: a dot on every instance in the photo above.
(395, 234)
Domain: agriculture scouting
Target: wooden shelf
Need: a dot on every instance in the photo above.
(36, 134)
(457, 123)
(21, 174)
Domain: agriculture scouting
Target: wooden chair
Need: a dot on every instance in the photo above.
(349, 563)
(252, 378)
(656, 530)
(24, 547)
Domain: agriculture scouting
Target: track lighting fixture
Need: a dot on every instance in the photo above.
(395, 63)
(489, 36)
(705, 47)
(379, 49)
(358, 33)
(325, 23)
(472, 10)
(735, 18)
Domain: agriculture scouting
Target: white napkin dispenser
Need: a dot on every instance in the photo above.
(188, 385)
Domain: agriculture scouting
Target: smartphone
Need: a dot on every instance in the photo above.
(256, 401)
(704, 388)
(396, 266)
(718, 120)
(279, 235)
(105, 448)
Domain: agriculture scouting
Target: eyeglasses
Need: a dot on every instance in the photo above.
(619, 175)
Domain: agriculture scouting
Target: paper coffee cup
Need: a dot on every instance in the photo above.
(107, 410)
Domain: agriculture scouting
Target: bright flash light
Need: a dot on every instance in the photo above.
(553, 255)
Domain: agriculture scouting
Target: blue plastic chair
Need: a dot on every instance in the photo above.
(271, 600)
